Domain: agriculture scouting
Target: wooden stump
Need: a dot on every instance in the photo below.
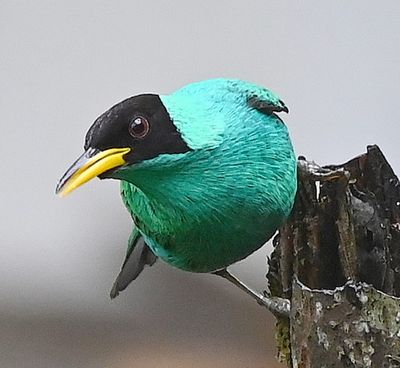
(337, 260)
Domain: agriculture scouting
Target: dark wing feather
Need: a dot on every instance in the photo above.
(138, 256)
(267, 106)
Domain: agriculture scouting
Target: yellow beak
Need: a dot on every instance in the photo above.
(91, 164)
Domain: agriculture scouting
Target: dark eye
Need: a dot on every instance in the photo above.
(139, 127)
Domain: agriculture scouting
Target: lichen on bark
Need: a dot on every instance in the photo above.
(350, 326)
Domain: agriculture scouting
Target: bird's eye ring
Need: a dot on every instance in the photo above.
(139, 127)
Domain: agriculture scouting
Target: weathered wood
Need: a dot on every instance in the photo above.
(344, 230)
(351, 326)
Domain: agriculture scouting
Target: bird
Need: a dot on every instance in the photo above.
(208, 173)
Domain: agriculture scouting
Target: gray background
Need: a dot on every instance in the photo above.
(335, 64)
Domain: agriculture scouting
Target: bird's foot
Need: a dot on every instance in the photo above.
(280, 307)
(311, 171)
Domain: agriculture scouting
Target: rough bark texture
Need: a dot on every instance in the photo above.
(337, 260)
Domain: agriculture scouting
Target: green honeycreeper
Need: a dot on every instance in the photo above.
(208, 174)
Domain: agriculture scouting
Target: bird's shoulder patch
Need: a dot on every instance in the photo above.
(267, 106)
(260, 98)
(257, 97)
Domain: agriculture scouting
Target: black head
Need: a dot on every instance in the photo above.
(138, 128)
(141, 123)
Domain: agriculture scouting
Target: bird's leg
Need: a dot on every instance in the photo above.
(278, 306)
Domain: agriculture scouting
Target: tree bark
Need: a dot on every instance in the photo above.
(337, 259)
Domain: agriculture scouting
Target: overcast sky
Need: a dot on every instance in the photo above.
(62, 63)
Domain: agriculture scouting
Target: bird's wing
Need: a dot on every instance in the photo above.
(267, 105)
(138, 255)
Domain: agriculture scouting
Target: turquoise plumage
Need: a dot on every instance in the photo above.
(225, 191)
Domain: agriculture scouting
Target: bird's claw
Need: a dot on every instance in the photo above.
(280, 307)
(312, 171)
